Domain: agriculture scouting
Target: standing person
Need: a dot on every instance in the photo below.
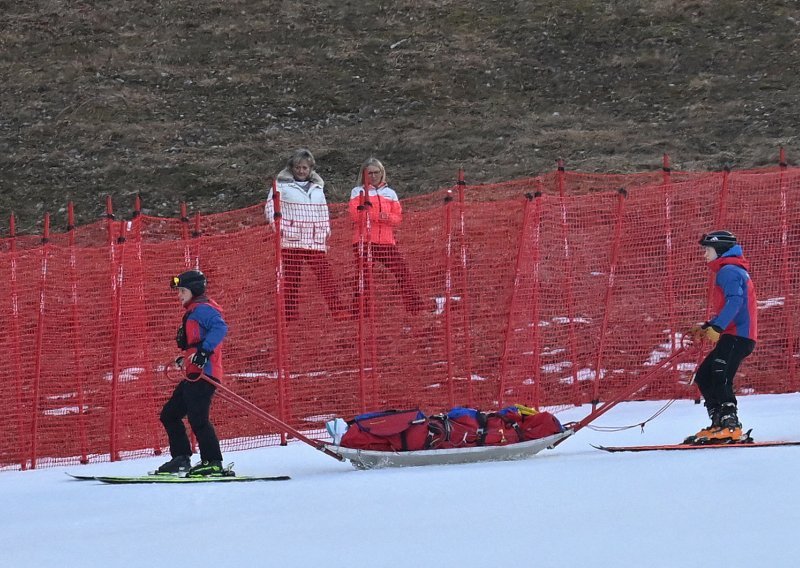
(305, 228)
(199, 337)
(385, 213)
(733, 329)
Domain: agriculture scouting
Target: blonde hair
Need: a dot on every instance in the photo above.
(371, 162)
(300, 155)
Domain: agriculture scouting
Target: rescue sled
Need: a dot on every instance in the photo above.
(372, 459)
(402, 438)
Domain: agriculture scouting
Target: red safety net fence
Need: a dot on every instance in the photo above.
(550, 291)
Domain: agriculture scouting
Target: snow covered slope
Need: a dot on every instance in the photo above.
(570, 506)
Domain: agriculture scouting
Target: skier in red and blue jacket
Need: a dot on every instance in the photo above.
(199, 337)
(734, 330)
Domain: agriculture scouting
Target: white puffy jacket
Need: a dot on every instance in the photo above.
(305, 220)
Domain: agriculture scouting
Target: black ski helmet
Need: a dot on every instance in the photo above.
(192, 280)
(720, 241)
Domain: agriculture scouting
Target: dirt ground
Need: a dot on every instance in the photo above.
(202, 102)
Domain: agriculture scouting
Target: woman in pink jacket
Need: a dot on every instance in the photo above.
(375, 211)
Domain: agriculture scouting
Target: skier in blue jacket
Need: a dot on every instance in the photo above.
(199, 337)
(733, 330)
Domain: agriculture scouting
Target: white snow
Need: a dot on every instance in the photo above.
(770, 303)
(566, 507)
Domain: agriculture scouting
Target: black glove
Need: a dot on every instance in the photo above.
(201, 357)
(180, 338)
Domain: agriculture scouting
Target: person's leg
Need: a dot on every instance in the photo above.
(704, 379)
(327, 285)
(361, 279)
(292, 273)
(197, 397)
(731, 351)
(172, 418)
(396, 263)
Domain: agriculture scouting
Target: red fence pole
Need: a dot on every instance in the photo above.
(785, 273)
(77, 350)
(465, 294)
(141, 324)
(669, 258)
(512, 304)
(187, 254)
(119, 276)
(370, 298)
(719, 223)
(361, 287)
(16, 357)
(196, 233)
(536, 299)
(280, 307)
(184, 221)
(109, 221)
(114, 332)
(189, 263)
(37, 371)
(722, 216)
(568, 283)
(366, 325)
(448, 294)
(612, 269)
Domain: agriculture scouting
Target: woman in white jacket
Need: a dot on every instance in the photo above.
(305, 228)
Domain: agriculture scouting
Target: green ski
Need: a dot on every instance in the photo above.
(142, 479)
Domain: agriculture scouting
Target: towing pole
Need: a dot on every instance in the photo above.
(248, 406)
(625, 394)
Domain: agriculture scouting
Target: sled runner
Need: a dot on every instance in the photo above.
(372, 459)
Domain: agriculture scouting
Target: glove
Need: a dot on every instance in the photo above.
(201, 357)
(695, 333)
(180, 338)
(711, 332)
(179, 362)
(703, 331)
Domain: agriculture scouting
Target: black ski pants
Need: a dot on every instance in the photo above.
(193, 400)
(715, 374)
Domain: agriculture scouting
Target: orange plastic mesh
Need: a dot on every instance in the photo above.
(551, 291)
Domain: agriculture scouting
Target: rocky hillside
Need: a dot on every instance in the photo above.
(202, 102)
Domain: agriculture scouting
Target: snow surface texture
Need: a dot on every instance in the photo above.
(567, 507)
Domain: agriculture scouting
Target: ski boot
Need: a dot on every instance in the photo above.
(175, 466)
(730, 429)
(703, 436)
(212, 468)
